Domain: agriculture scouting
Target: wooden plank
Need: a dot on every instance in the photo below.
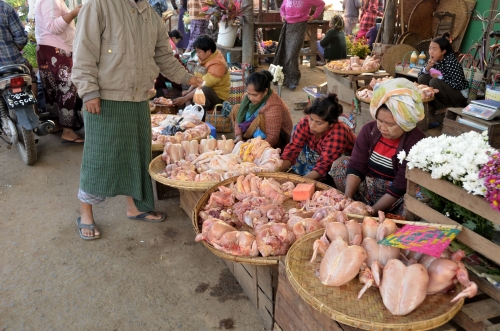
(482, 310)
(485, 286)
(495, 327)
(285, 316)
(266, 309)
(188, 201)
(445, 327)
(481, 245)
(454, 193)
(246, 277)
(267, 280)
(465, 322)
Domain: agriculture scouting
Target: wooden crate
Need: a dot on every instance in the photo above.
(260, 285)
(188, 200)
(163, 191)
(479, 313)
(453, 128)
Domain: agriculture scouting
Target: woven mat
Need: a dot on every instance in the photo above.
(457, 7)
(368, 313)
(420, 18)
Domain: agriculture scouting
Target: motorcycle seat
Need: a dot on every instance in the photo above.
(14, 69)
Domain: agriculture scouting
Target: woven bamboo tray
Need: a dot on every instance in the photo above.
(457, 7)
(421, 16)
(394, 55)
(368, 313)
(259, 260)
(158, 165)
(369, 100)
(352, 72)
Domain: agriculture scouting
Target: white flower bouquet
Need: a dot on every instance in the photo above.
(456, 159)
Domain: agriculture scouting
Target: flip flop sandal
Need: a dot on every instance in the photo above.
(86, 226)
(143, 217)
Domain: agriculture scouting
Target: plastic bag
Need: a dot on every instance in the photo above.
(195, 111)
(199, 97)
(259, 133)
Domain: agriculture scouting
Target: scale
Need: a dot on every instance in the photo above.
(483, 109)
(414, 71)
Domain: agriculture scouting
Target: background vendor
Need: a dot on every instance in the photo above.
(217, 78)
(448, 75)
(333, 43)
(262, 108)
(318, 140)
(373, 174)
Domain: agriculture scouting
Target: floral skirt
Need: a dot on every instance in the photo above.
(198, 27)
(183, 43)
(61, 98)
(370, 190)
(305, 161)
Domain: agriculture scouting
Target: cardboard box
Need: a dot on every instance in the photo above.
(340, 85)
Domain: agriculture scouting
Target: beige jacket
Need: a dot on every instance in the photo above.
(120, 47)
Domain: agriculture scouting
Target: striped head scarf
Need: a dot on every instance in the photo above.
(337, 22)
(403, 100)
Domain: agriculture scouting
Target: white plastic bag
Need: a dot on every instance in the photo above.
(195, 111)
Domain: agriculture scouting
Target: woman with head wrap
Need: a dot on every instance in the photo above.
(334, 44)
(373, 173)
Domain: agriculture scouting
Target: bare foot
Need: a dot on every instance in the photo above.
(86, 217)
(70, 135)
(132, 212)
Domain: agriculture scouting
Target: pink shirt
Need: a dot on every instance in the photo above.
(174, 47)
(295, 11)
(50, 27)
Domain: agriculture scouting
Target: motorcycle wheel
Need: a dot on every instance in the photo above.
(26, 142)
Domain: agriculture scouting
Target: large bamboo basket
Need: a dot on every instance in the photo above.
(365, 100)
(158, 165)
(278, 176)
(352, 72)
(367, 313)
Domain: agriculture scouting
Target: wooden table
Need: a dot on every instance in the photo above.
(312, 28)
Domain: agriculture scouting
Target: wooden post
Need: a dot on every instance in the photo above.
(248, 33)
(389, 23)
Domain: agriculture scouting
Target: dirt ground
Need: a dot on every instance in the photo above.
(138, 276)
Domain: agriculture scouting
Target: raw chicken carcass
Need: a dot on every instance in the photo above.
(212, 230)
(341, 263)
(358, 208)
(225, 197)
(305, 226)
(239, 243)
(271, 189)
(274, 239)
(403, 288)
(369, 228)
(332, 231)
(336, 216)
(444, 272)
(355, 232)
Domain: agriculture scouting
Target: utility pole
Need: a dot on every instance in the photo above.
(248, 33)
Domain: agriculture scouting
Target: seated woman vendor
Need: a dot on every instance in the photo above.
(373, 174)
(318, 140)
(445, 73)
(262, 108)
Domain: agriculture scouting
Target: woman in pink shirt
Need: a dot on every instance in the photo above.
(55, 31)
(295, 14)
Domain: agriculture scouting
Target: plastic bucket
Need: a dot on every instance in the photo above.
(227, 36)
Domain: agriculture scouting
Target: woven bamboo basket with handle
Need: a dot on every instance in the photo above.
(367, 313)
(279, 177)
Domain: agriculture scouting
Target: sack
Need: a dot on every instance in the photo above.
(473, 75)
(493, 90)
(221, 123)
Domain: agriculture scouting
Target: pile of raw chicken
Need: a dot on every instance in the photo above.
(213, 160)
(191, 129)
(354, 64)
(404, 278)
(249, 216)
(426, 92)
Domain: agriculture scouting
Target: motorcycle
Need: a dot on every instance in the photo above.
(18, 120)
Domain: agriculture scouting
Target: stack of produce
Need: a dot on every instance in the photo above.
(403, 277)
(255, 208)
(213, 160)
(189, 128)
(426, 92)
(355, 64)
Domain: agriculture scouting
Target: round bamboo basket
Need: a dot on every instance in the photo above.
(423, 46)
(365, 100)
(157, 166)
(420, 17)
(409, 38)
(367, 313)
(258, 260)
(408, 6)
(457, 7)
(394, 55)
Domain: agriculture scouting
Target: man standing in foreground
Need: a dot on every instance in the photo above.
(119, 48)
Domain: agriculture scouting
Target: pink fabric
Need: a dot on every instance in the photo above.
(296, 11)
(174, 47)
(50, 28)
